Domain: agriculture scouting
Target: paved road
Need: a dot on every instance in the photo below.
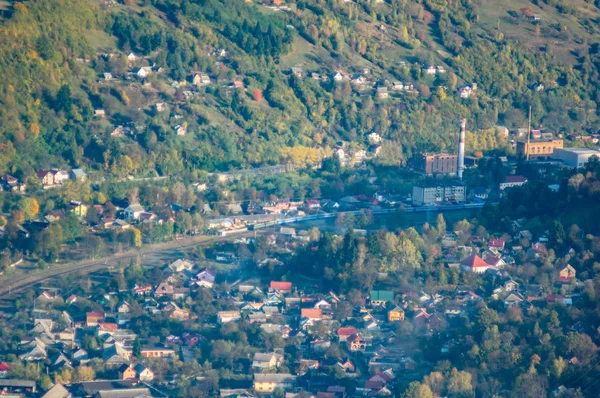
(16, 283)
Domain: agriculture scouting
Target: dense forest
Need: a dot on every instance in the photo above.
(54, 54)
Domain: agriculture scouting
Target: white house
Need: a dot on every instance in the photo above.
(133, 211)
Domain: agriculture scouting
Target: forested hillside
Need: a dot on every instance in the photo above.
(71, 97)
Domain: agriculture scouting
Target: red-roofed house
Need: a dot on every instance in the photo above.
(312, 204)
(281, 286)
(94, 318)
(495, 262)
(474, 263)
(356, 343)
(312, 313)
(345, 333)
(142, 290)
(497, 243)
(567, 274)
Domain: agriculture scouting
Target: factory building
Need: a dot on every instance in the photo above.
(575, 157)
(428, 194)
(538, 148)
(435, 164)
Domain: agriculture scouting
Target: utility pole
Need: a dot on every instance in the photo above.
(529, 133)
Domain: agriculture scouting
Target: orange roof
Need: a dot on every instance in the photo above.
(95, 315)
(108, 326)
(347, 331)
(312, 313)
(281, 285)
(474, 261)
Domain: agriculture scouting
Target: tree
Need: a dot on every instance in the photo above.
(137, 348)
(137, 237)
(84, 373)
(440, 224)
(29, 206)
(460, 382)
(257, 95)
(417, 390)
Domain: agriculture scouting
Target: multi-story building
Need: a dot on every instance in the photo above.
(432, 164)
(538, 148)
(427, 194)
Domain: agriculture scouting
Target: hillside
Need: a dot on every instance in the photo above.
(221, 71)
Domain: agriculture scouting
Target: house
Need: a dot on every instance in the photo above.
(283, 287)
(395, 314)
(474, 263)
(47, 177)
(124, 308)
(288, 232)
(228, 316)
(99, 113)
(57, 391)
(126, 372)
(180, 130)
(496, 262)
(567, 274)
(344, 333)
(132, 57)
(181, 265)
(107, 76)
(205, 278)
(94, 318)
(312, 204)
(142, 290)
(201, 79)
(374, 138)
(143, 72)
(269, 360)
(497, 243)
(465, 92)
(382, 92)
(356, 343)
(269, 382)
(133, 211)
(143, 373)
(513, 299)
(298, 72)
(381, 297)
(315, 314)
(11, 184)
(512, 181)
(511, 286)
(157, 352)
(78, 175)
(429, 70)
(397, 86)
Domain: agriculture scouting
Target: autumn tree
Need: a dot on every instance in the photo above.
(257, 95)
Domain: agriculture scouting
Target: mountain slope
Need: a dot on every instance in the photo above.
(53, 56)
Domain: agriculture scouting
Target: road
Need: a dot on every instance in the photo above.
(10, 285)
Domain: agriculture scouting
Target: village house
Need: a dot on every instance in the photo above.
(395, 314)
(282, 287)
(315, 314)
(567, 274)
(344, 333)
(126, 372)
(265, 361)
(267, 383)
(181, 265)
(94, 318)
(201, 79)
(228, 316)
(475, 264)
(157, 352)
(133, 211)
(381, 297)
(12, 184)
(298, 72)
(143, 373)
(356, 343)
(382, 92)
(205, 278)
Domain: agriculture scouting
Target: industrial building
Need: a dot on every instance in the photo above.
(575, 157)
(428, 194)
(542, 148)
(435, 164)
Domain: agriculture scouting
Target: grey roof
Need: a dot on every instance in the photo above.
(128, 393)
(78, 173)
(92, 387)
(274, 378)
(17, 383)
(57, 391)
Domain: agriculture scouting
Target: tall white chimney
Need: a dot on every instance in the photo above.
(461, 149)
